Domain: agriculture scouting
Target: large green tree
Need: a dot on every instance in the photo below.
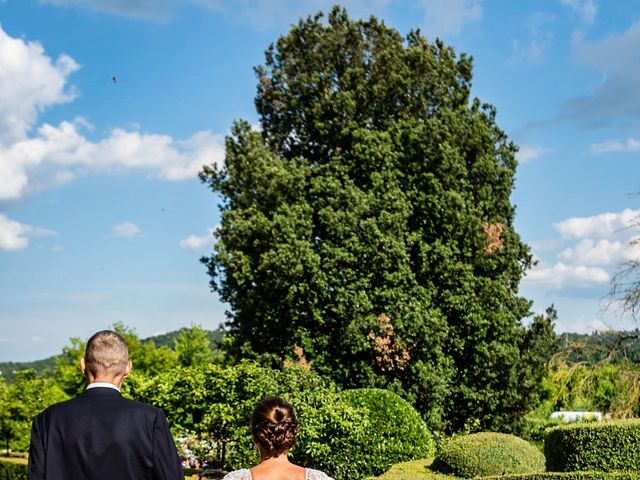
(367, 226)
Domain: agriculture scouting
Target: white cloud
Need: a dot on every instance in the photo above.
(539, 39)
(529, 152)
(561, 275)
(618, 96)
(260, 13)
(143, 9)
(586, 9)
(441, 16)
(125, 230)
(194, 243)
(30, 82)
(608, 146)
(449, 16)
(54, 155)
(604, 225)
(591, 252)
(15, 235)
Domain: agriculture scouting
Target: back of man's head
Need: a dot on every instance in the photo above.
(106, 355)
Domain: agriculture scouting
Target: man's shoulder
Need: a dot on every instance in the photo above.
(123, 403)
(137, 405)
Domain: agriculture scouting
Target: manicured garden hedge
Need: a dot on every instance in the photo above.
(604, 447)
(12, 470)
(568, 476)
(485, 454)
(395, 431)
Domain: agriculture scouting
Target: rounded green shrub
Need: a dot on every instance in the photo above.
(605, 447)
(394, 431)
(486, 454)
(568, 476)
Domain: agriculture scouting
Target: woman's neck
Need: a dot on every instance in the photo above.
(281, 459)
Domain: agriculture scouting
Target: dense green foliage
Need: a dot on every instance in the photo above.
(612, 388)
(369, 223)
(214, 403)
(395, 432)
(20, 402)
(606, 447)
(569, 476)
(191, 346)
(10, 470)
(47, 367)
(486, 453)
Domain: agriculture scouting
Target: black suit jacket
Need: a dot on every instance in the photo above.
(101, 435)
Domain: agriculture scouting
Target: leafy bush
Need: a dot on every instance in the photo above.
(12, 470)
(395, 432)
(535, 427)
(569, 476)
(215, 403)
(485, 454)
(605, 447)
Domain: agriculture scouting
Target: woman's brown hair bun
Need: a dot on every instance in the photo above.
(274, 427)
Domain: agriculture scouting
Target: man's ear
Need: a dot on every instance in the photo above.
(83, 366)
(128, 368)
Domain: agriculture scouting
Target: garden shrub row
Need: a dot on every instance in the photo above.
(349, 434)
(568, 476)
(486, 454)
(12, 470)
(605, 447)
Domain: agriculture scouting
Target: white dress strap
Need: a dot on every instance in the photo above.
(242, 474)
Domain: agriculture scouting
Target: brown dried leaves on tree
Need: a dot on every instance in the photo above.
(391, 355)
(492, 234)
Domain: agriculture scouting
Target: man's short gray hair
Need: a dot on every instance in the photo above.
(106, 354)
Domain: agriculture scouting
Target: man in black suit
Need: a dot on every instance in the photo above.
(101, 435)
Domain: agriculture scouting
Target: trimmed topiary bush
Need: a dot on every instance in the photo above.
(395, 432)
(12, 470)
(605, 447)
(486, 454)
(568, 476)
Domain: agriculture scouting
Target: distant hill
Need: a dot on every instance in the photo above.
(597, 346)
(46, 366)
(168, 339)
(42, 367)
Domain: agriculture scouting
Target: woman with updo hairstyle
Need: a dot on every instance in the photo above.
(274, 428)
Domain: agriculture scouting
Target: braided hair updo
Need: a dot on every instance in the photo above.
(274, 427)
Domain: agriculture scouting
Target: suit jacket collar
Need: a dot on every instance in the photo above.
(101, 392)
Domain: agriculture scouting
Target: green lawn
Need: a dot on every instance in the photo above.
(14, 459)
(414, 470)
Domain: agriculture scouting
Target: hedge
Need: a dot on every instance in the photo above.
(395, 431)
(12, 470)
(604, 447)
(486, 454)
(567, 476)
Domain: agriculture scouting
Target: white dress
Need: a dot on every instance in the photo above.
(245, 474)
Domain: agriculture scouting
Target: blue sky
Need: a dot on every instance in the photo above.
(102, 218)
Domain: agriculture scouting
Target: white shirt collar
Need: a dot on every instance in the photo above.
(102, 384)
